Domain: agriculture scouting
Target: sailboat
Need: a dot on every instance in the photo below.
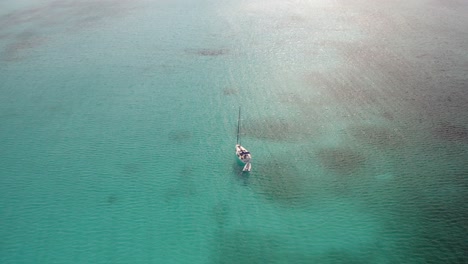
(242, 153)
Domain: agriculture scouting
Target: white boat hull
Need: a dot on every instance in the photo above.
(244, 157)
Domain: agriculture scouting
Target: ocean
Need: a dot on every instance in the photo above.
(118, 123)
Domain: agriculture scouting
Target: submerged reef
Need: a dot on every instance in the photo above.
(208, 52)
(230, 91)
(112, 199)
(182, 187)
(20, 48)
(280, 182)
(341, 160)
(246, 246)
(180, 136)
(250, 246)
(131, 168)
(451, 132)
(35, 22)
(377, 136)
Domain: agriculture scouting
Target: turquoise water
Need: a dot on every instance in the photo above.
(118, 125)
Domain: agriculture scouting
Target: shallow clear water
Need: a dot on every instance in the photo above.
(118, 125)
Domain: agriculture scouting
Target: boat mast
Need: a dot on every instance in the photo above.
(238, 126)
